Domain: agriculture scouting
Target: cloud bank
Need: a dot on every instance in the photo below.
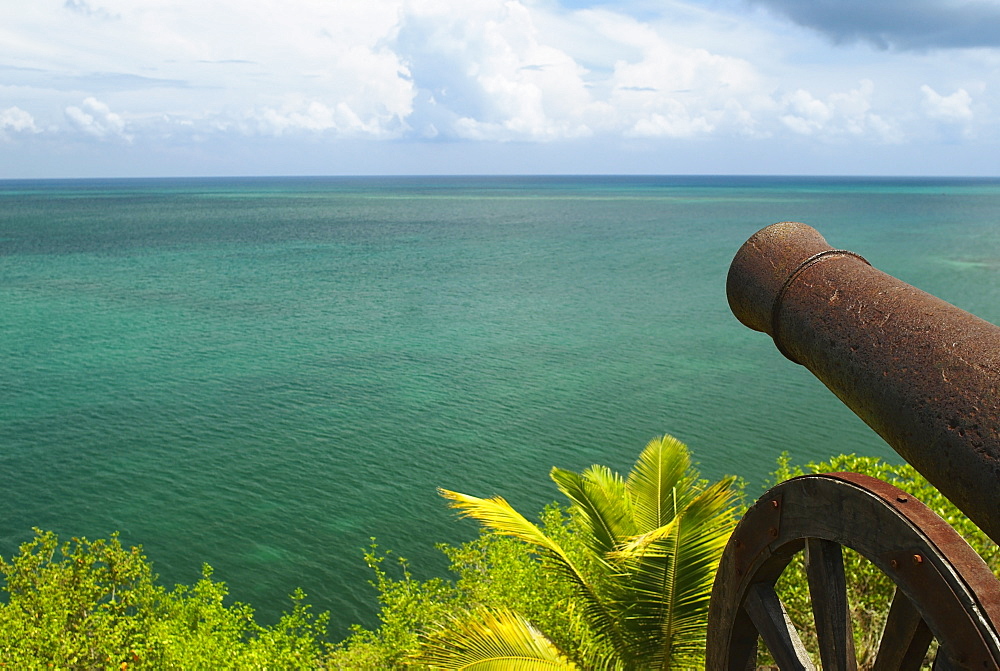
(196, 73)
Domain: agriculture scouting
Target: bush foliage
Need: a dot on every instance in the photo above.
(97, 605)
(490, 572)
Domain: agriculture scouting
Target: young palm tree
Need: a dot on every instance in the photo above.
(653, 541)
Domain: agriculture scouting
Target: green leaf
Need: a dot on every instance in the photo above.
(659, 476)
(485, 640)
(499, 516)
(601, 500)
(655, 539)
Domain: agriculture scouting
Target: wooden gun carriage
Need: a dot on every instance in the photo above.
(925, 376)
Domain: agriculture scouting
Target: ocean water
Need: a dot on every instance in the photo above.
(262, 374)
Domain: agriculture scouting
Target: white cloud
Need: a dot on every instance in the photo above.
(96, 118)
(488, 63)
(806, 115)
(16, 120)
(504, 79)
(217, 63)
(956, 107)
(837, 115)
(199, 71)
(677, 91)
(315, 116)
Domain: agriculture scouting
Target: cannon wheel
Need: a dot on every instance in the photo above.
(944, 590)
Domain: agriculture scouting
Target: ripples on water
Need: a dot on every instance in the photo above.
(262, 374)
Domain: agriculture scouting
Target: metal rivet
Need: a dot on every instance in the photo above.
(774, 503)
(773, 531)
(917, 559)
(893, 563)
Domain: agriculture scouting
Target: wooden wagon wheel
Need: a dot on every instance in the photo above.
(944, 590)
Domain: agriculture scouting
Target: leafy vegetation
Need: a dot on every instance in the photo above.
(618, 578)
(95, 605)
(652, 543)
(491, 573)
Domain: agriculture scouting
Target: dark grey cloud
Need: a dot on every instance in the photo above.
(899, 24)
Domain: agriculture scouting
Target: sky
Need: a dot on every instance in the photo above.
(120, 88)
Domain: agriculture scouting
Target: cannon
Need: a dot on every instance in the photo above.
(925, 376)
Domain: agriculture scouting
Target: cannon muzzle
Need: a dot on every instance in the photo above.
(924, 374)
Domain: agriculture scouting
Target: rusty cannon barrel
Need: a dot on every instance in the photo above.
(924, 374)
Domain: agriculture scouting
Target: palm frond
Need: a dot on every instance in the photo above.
(599, 497)
(710, 514)
(647, 545)
(671, 571)
(655, 539)
(487, 640)
(501, 517)
(705, 529)
(656, 481)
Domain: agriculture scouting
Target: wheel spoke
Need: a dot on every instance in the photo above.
(944, 662)
(743, 654)
(828, 589)
(905, 638)
(771, 619)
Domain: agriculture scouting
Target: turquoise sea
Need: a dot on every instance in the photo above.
(262, 374)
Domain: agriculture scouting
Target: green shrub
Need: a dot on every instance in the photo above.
(489, 572)
(96, 605)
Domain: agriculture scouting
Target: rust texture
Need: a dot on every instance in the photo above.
(921, 372)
